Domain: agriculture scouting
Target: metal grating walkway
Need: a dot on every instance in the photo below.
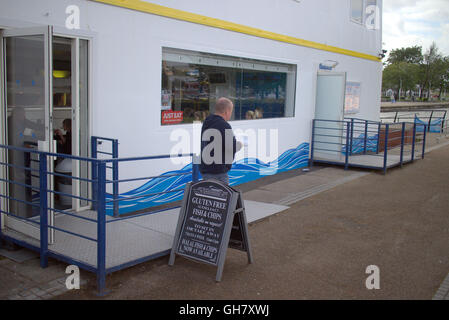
(367, 161)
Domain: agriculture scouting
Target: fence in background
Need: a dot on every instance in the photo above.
(368, 144)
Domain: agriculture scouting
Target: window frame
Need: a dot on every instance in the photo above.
(291, 66)
(363, 13)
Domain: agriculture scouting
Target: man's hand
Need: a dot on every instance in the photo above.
(58, 132)
(238, 146)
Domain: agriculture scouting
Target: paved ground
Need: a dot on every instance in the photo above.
(321, 246)
(318, 249)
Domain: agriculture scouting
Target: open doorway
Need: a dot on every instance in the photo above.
(70, 118)
(44, 107)
(62, 118)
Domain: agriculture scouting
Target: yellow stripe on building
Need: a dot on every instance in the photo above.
(159, 10)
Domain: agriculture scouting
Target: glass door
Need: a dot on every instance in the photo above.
(71, 112)
(80, 121)
(27, 61)
(70, 117)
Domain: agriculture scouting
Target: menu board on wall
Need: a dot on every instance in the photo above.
(352, 97)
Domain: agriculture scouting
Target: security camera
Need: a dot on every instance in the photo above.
(328, 64)
(382, 54)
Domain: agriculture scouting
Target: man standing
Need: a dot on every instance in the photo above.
(218, 144)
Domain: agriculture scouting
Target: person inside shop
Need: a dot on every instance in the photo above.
(211, 167)
(64, 140)
(250, 115)
(64, 145)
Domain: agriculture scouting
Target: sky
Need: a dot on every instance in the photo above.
(408, 23)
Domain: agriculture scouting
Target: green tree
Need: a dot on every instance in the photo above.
(431, 67)
(441, 76)
(401, 76)
(406, 68)
(409, 55)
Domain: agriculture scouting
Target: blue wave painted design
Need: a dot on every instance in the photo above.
(242, 171)
(358, 144)
(435, 125)
(250, 169)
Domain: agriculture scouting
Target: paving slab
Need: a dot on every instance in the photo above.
(19, 255)
(296, 184)
(331, 173)
(265, 195)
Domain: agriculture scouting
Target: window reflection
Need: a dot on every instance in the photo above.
(193, 81)
(357, 10)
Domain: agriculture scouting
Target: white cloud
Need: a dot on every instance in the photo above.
(416, 22)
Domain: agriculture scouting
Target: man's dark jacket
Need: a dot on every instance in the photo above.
(217, 122)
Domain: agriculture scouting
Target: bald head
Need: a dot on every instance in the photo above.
(224, 108)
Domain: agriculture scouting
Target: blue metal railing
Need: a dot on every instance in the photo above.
(98, 200)
(149, 192)
(14, 170)
(337, 142)
(95, 142)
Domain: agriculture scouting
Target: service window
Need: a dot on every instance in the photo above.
(193, 81)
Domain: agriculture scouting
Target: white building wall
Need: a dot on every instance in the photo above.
(127, 51)
(323, 21)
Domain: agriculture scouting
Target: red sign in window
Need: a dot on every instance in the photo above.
(172, 117)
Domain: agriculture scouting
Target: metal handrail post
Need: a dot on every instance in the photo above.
(442, 122)
(115, 184)
(2, 190)
(413, 141)
(1, 214)
(195, 171)
(312, 142)
(424, 143)
(101, 229)
(352, 134)
(43, 197)
(347, 147)
(430, 119)
(378, 138)
(387, 126)
(93, 141)
(402, 142)
(366, 137)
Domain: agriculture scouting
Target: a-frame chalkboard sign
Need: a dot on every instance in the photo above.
(212, 218)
